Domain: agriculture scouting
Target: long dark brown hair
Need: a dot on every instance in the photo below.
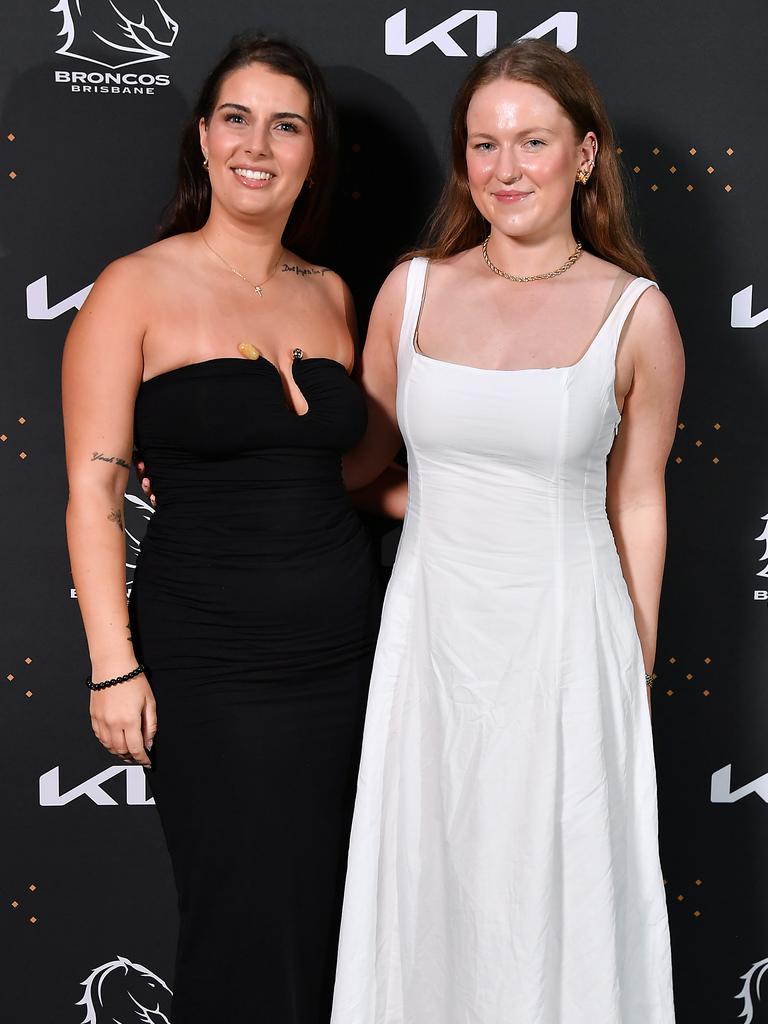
(191, 205)
(599, 213)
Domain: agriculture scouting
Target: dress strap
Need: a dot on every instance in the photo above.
(415, 289)
(624, 306)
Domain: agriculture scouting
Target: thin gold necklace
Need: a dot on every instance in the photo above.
(256, 287)
(532, 277)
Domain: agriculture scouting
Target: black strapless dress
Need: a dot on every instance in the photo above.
(255, 609)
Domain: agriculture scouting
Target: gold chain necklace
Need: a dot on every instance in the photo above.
(532, 277)
(256, 287)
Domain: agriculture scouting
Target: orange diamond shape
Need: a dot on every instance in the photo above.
(28, 693)
(672, 661)
(678, 460)
(33, 920)
(698, 881)
(707, 661)
(619, 150)
(716, 426)
(654, 188)
(10, 136)
(681, 426)
(670, 692)
(9, 677)
(706, 693)
(715, 460)
(12, 175)
(636, 170)
(14, 903)
(673, 169)
(729, 151)
(22, 420)
(680, 899)
(692, 151)
(22, 455)
(689, 188)
(32, 887)
(28, 661)
(689, 676)
(697, 913)
(699, 444)
(710, 170)
(3, 437)
(729, 188)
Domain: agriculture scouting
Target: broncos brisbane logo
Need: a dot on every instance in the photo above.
(121, 992)
(755, 1006)
(115, 33)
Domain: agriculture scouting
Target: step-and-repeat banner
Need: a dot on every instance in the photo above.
(93, 94)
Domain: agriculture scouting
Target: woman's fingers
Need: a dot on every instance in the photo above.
(149, 723)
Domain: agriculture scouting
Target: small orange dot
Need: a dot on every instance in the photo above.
(728, 188)
(706, 693)
(715, 460)
(710, 170)
(673, 169)
(670, 692)
(699, 444)
(656, 151)
(678, 460)
(707, 661)
(10, 677)
(636, 170)
(672, 661)
(680, 899)
(697, 913)
(32, 887)
(698, 881)
(22, 455)
(729, 151)
(10, 136)
(3, 437)
(689, 188)
(22, 420)
(692, 151)
(716, 426)
(28, 693)
(689, 676)
(681, 426)
(654, 188)
(28, 661)
(619, 150)
(12, 175)
(14, 903)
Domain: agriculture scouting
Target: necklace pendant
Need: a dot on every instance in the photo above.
(257, 289)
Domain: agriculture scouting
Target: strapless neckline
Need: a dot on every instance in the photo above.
(231, 361)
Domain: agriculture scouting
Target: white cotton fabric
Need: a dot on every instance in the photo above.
(504, 864)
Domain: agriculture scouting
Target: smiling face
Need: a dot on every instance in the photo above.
(522, 158)
(258, 141)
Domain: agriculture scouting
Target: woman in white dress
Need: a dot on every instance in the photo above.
(504, 862)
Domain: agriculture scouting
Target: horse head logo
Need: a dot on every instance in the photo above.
(115, 33)
(137, 513)
(755, 1010)
(124, 993)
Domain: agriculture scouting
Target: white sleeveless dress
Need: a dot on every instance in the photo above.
(504, 864)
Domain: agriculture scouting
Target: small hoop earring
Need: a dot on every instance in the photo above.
(205, 161)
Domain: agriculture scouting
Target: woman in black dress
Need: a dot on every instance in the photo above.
(225, 357)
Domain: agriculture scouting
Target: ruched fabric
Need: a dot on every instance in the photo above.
(255, 610)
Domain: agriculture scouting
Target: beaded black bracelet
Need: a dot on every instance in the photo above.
(113, 682)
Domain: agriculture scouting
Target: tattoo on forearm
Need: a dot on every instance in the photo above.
(101, 457)
(116, 517)
(292, 268)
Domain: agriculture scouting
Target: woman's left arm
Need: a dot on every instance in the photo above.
(650, 371)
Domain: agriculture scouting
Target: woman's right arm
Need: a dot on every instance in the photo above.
(382, 440)
(101, 373)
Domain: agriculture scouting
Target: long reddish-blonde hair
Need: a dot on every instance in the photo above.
(599, 213)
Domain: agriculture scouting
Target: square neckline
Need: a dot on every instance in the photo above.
(515, 369)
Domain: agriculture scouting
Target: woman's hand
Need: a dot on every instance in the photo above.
(146, 483)
(124, 719)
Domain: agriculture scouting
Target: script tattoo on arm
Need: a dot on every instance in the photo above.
(116, 517)
(101, 457)
(292, 268)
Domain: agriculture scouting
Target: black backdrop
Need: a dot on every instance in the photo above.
(88, 135)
